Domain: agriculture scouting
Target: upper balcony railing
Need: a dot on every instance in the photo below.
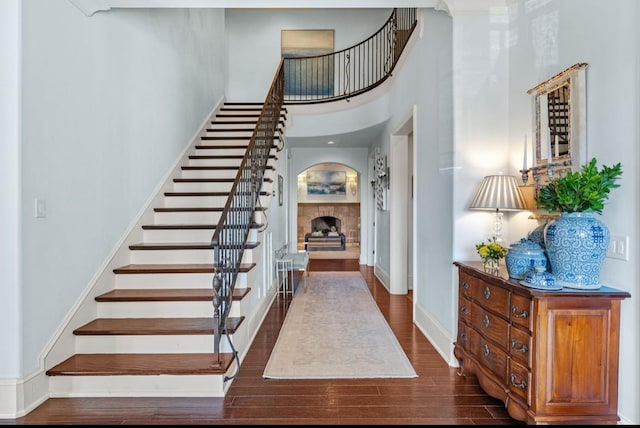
(352, 71)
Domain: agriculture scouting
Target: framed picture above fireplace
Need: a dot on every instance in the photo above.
(324, 182)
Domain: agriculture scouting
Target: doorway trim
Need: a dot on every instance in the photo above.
(399, 205)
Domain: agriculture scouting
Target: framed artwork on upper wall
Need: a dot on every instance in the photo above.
(321, 182)
(308, 76)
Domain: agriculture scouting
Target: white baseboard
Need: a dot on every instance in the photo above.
(382, 276)
(435, 334)
(20, 396)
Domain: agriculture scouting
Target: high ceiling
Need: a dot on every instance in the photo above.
(361, 138)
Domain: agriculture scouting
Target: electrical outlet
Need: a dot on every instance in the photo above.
(618, 247)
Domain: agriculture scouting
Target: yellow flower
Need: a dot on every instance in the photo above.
(491, 250)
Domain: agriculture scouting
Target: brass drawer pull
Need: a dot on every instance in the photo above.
(521, 385)
(463, 337)
(485, 350)
(487, 293)
(465, 285)
(523, 314)
(464, 310)
(485, 321)
(522, 349)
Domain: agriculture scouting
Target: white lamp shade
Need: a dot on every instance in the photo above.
(499, 192)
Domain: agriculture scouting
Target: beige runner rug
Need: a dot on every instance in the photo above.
(335, 330)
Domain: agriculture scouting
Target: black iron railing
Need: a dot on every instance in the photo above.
(237, 218)
(351, 71)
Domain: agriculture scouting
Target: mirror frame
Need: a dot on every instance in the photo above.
(576, 156)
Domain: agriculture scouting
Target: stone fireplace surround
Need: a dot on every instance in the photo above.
(347, 213)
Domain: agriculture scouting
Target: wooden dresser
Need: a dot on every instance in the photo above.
(550, 356)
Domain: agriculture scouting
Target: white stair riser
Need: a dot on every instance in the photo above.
(215, 162)
(238, 115)
(204, 186)
(172, 280)
(205, 201)
(171, 256)
(226, 141)
(221, 132)
(178, 235)
(187, 217)
(174, 309)
(222, 125)
(179, 256)
(216, 151)
(139, 386)
(195, 201)
(152, 344)
(211, 173)
(224, 173)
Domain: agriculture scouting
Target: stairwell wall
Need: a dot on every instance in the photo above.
(108, 104)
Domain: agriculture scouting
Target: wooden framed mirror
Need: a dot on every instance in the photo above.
(559, 124)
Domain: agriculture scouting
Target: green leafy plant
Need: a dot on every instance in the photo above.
(580, 191)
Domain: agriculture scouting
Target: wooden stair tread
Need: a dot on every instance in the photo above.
(262, 193)
(189, 226)
(213, 157)
(181, 246)
(166, 295)
(198, 209)
(211, 180)
(174, 268)
(245, 129)
(143, 364)
(220, 167)
(225, 146)
(155, 326)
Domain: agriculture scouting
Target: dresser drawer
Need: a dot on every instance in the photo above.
(492, 297)
(463, 337)
(490, 356)
(520, 346)
(521, 310)
(467, 283)
(520, 381)
(490, 326)
(464, 310)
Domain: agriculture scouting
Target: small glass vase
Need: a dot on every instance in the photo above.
(491, 265)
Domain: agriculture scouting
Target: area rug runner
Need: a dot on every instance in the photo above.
(335, 330)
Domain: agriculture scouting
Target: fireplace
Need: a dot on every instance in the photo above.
(325, 235)
(344, 216)
(325, 223)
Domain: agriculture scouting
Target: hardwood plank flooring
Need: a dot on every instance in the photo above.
(438, 396)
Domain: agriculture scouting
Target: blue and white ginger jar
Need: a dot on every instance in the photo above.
(524, 255)
(577, 244)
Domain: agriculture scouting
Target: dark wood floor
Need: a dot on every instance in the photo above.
(438, 396)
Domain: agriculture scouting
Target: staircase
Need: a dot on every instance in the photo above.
(154, 330)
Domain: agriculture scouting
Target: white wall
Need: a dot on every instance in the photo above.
(10, 295)
(496, 62)
(108, 103)
(549, 39)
